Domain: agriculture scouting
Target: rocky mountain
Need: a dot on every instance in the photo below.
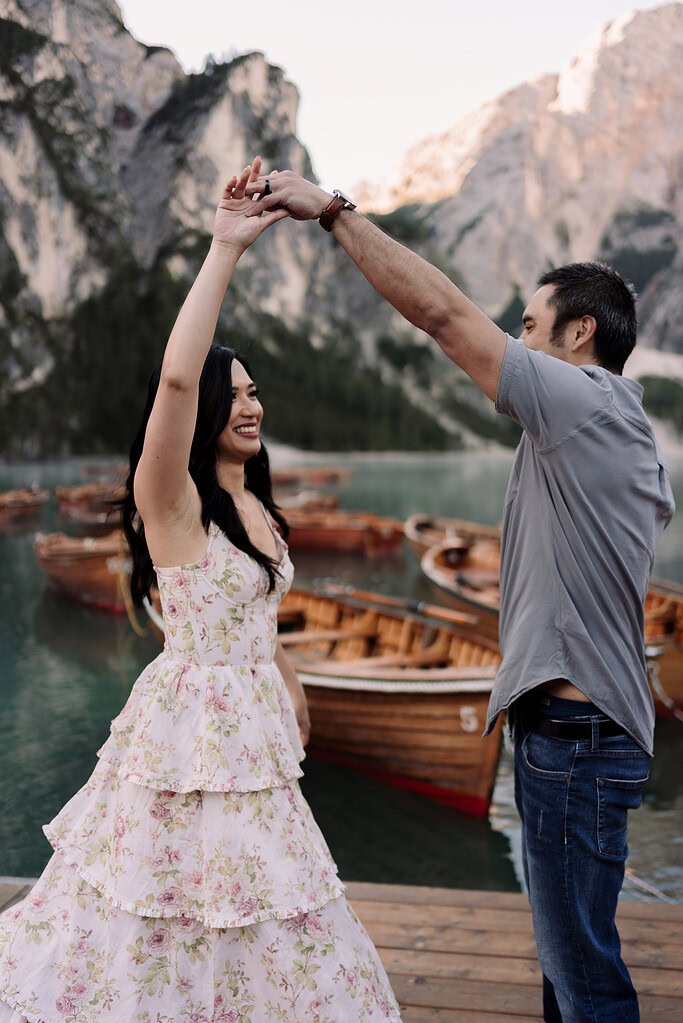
(583, 164)
(111, 162)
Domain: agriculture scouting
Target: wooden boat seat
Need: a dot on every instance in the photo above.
(414, 673)
(665, 610)
(423, 658)
(325, 635)
(478, 579)
(291, 619)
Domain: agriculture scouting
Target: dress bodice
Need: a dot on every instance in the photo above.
(218, 611)
(212, 711)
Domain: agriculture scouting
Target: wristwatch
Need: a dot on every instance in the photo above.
(341, 201)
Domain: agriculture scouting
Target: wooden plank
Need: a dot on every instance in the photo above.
(507, 970)
(456, 916)
(12, 893)
(356, 667)
(511, 999)
(323, 636)
(422, 895)
(443, 938)
(509, 921)
(506, 999)
(424, 1015)
(502, 970)
(427, 938)
(659, 955)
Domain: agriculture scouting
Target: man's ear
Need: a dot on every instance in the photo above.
(583, 332)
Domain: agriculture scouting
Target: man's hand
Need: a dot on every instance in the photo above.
(288, 191)
(232, 228)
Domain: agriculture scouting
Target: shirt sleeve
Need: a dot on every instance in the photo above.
(549, 398)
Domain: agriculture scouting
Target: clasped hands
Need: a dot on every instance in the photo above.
(245, 211)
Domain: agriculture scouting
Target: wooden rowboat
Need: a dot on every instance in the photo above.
(467, 579)
(310, 476)
(664, 646)
(16, 505)
(424, 531)
(343, 532)
(88, 497)
(398, 695)
(309, 501)
(95, 523)
(471, 581)
(87, 569)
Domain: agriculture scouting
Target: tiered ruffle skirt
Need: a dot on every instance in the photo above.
(189, 880)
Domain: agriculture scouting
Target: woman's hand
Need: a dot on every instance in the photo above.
(232, 228)
(297, 693)
(303, 719)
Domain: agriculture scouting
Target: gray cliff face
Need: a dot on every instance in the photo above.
(111, 163)
(581, 165)
(77, 90)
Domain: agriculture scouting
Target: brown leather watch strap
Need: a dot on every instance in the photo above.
(330, 212)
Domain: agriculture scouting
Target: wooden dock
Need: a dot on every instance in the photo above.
(464, 956)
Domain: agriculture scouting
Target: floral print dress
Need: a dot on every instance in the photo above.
(189, 882)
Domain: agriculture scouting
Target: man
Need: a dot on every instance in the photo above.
(587, 500)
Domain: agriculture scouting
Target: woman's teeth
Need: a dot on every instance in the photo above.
(248, 430)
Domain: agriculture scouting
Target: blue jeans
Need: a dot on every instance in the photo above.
(573, 798)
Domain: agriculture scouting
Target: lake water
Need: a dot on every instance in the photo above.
(65, 672)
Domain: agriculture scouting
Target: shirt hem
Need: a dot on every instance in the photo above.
(490, 724)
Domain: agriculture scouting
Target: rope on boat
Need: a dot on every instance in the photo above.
(124, 585)
(645, 886)
(380, 686)
(653, 672)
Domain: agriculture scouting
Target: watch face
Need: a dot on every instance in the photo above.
(342, 195)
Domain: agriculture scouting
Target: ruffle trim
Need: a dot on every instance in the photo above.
(161, 783)
(221, 858)
(25, 1014)
(317, 902)
(213, 728)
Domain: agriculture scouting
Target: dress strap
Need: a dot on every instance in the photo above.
(279, 541)
(268, 520)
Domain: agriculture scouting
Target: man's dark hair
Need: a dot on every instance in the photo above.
(595, 289)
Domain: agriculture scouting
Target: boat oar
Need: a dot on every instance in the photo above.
(416, 606)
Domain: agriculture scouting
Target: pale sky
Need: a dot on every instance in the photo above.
(375, 76)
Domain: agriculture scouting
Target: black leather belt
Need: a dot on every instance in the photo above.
(575, 730)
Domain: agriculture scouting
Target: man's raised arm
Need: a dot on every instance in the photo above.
(413, 286)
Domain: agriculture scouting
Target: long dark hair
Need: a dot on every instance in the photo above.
(213, 412)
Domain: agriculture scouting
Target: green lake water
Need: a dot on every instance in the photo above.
(65, 672)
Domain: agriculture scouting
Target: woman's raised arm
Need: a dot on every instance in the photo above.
(164, 490)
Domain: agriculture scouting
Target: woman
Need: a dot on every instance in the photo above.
(189, 879)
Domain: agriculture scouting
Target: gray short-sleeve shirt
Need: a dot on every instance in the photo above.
(588, 498)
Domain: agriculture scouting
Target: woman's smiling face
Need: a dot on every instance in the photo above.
(240, 440)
